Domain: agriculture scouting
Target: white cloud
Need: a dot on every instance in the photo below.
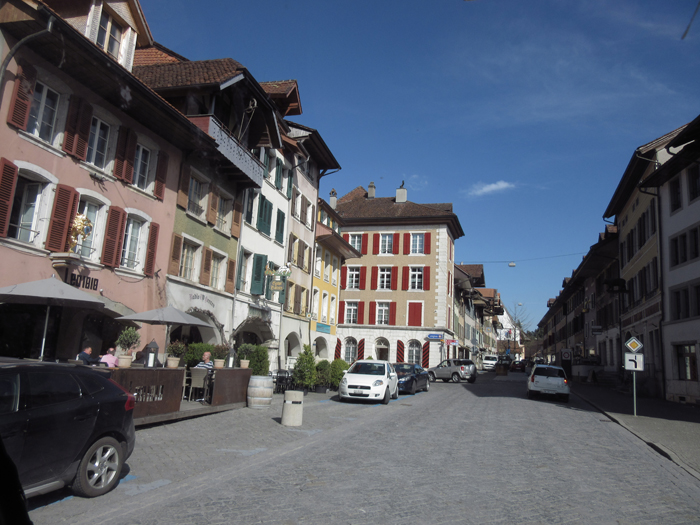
(481, 188)
(416, 182)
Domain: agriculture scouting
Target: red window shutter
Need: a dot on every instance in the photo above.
(426, 278)
(213, 208)
(124, 155)
(415, 313)
(404, 278)
(65, 205)
(205, 274)
(346, 237)
(184, 188)
(114, 236)
(363, 278)
(8, 183)
(372, 312)
(361, 312)
(365, 241)
(426, 243)
(406, 243)
(341, 312)
(392, 314)
(394, 277)
(82, 135)
(395, 244)
(375, 275)
(22, 96)
(151, 249)
(175, 254)
(230, 276)
(343, 277)
(449, 283)
(375, 244)
(161, 175)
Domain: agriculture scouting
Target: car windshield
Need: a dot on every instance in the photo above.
(549, 372)
(371, 369)
(404, 369)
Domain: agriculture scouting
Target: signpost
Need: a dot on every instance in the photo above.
(634, 362)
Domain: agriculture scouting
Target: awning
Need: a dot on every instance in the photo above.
(258, 325)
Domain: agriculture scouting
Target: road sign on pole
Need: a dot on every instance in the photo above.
(635, 363)
(634, 344)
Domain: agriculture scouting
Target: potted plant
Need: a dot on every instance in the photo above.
(218, 354)
(243, 355)
(323, 376)
(259, 360)
(305, 370)
(338, 366)
(195, 351)
(128, 339)
(176, 351)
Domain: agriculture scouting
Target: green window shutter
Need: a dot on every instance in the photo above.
(257, 285)
(289, 184)
(264, 215)
(238, 273)
(268, 292)
(279, 230)
(266, 162)
(278, 174)
(268, 216)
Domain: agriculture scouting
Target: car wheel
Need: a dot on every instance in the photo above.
(529, 394)
(395, 395)
(431, 377)
(565, 398)
(472, 379)
(413, 389)
(455, 377)
(387, 395)
(99, 469)
(427, 386)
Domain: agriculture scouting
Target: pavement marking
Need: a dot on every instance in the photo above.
(133, 490)
(251, 452)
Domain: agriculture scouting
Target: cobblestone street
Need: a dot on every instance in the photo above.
(468, 453)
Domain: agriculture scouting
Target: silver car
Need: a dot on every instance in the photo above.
(454, 370)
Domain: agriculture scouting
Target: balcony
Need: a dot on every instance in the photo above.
(230, 148)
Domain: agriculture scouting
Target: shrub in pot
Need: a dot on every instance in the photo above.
(336, 372)
(177, 349)
(195, 351)
(323, 376)
(128, 339)
(258, 357)
(305, 369)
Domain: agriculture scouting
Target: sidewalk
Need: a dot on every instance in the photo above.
(673, 429)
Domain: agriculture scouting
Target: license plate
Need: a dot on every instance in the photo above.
(357, 392)
(549, 392)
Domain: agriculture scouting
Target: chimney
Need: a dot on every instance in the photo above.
(401, 193)
(334, 199)
(371, 190)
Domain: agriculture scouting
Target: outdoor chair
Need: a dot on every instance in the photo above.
(199, 382)
(186, 381)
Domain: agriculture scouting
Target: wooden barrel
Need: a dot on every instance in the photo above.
(260, 392)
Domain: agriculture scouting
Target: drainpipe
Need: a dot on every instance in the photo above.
(18, 45)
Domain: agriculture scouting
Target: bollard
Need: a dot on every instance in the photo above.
(292, 408)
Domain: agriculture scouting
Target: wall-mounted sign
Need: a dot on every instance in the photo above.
(323, 328)
(434, 336)
(452, 342)
(277, 286)
(83, 281)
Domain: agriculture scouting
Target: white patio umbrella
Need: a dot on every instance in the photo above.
(49, 292)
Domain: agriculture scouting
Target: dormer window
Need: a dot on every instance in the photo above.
(109, 36)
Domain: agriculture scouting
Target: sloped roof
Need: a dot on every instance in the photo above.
(475, 271)
(186, 74)
(156, 54)
(285, 93)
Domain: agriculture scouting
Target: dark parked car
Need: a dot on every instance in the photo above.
(412, 377)
(65, 425)
(518, 366)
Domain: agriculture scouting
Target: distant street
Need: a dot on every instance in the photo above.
(461, 453)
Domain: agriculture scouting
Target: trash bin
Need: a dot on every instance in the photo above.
(293, 407)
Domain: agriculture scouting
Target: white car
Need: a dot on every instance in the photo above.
(489, 362)
(370, 379)
(550, 380)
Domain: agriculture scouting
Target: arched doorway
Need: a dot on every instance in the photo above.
(321, 348)
(381, 349)
(292, 349)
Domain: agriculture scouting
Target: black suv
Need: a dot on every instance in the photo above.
(64, 425)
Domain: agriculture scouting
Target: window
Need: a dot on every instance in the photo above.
(351, 312)
(356, 241)
(109, 36)
(417, 242)
(42, 114)
(327, 268)
(25, 210)
(416, 282)
(223, 211)
(693, 182)
(324, 306)
(414, 349)
(675, 193)
(333, 307)
(314, 304)
(687, 362)
(97, 143)
(384, 278)
(217, 266)
(319, 261)
(141, 161)
(86, 242)
(196, 197)
(383, 313)
(264, 222)
(243, 271)
(334, 275)
(350, 350)
(250, 202)
(279, 227)
(386, 245)
(132, 238)
(680, 304)
(353, 278)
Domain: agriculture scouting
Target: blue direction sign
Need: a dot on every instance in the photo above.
(434, 336)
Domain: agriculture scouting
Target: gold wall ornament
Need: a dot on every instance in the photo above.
(81, 227)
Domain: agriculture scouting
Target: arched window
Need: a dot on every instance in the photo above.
(413, 352)
(350, 350)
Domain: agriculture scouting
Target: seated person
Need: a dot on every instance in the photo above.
(110, 358)
(206, 361)
(86, 356)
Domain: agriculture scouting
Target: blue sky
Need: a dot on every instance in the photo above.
(524, 115)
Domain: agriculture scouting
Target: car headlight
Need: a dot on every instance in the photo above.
(344, 381)
(404, 379)
(378, 382)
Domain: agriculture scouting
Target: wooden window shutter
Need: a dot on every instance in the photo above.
(205, 274)
(279, 228)
(290, 249)
(151, 248)
(297, 299)
(161, 175)
(237, 215)
(184, 188)
(8, 183)
(405, 278)
(392, 314)
(313, 216)
(22, 96)
(363, 278)
(360, 312)
(343, 277)
(426, 243)
(124, 155)
(394, 277)
(341, 312)
(257, 285)
(375, 244)
(426, 278)
(278, 174)
(294, 202)
(372, 312)
(346, 237)
(77, 130)
(365, 242)
(406, 243)
(65, 205)
(83, 130)
(175, 254)
(290, 188)
(230, 276)
(395, 244)
(114, 236)
(374, 278)
(213, 208)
